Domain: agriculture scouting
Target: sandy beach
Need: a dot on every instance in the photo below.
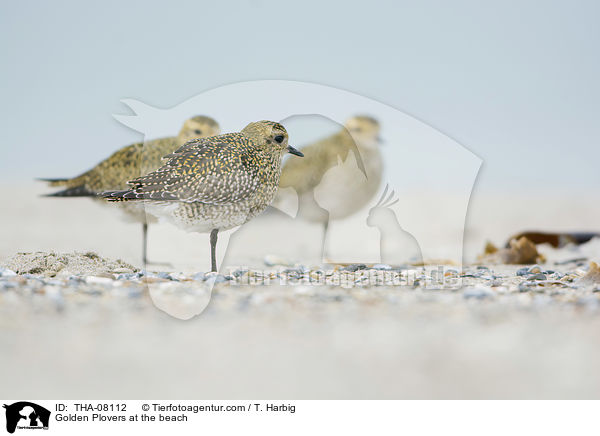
(85, 325)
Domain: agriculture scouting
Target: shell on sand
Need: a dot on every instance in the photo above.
(520, 252)
(592, 277)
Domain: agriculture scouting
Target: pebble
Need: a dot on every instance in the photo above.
(75, 280)
(128, 276)
(355, 267)
(199, 276)
(382, 266)
(213, 277)
(5, 272)
(531, 286)
(538, 276)
(165, 275)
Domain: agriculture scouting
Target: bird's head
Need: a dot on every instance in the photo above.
(270, 135)
(198, 127)
(364, 130)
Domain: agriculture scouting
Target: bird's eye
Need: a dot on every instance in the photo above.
(279, 139)
(198, 132)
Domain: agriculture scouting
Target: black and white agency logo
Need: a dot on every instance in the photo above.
(26, 415)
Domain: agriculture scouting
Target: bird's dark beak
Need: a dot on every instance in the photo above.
(292, 150)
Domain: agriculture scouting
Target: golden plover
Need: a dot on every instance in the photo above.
(215, 183)
(343, 187)
(130, 162)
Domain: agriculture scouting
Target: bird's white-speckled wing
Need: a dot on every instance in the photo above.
(213, 170)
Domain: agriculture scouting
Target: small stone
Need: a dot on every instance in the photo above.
(382, 266)
(5, 272)
(302, 269)
(128, 276)
(214, 277)
(30, 276)
(470, 275)
(523, 271)
(75, 280)
(238, 272)
(199, 276)
(539, 276)
(354, 267)
(535, 269)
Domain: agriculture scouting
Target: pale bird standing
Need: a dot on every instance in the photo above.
(129, 162)
(339, 175)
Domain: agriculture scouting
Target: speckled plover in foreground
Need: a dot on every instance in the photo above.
(130, 162)
(215, 183)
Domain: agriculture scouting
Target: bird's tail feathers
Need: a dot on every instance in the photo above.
(54, 182)
(115, 195)
(75, 191)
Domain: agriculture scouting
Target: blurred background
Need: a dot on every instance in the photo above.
(515, 82)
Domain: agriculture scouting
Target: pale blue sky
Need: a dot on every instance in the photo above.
(517, 82)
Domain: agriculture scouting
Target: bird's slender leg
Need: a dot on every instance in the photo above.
(145, 243)
(145, 249)
(325, 217)
(213, 249)
(324, 241)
